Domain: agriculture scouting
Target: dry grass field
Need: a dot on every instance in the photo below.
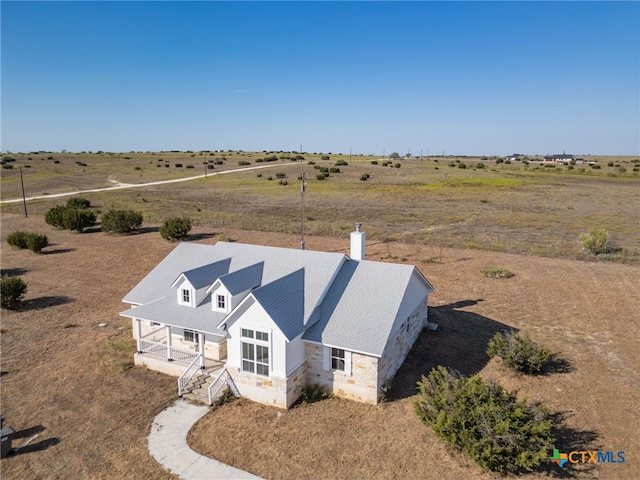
(70, 382)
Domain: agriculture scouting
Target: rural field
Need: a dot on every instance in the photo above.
(71, 381)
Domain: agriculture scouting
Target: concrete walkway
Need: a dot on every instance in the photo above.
(168, 445)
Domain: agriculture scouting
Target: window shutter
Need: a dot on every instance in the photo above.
(326, 359)
(347, 363)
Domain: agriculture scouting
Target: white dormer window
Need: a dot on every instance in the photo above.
(186, 295)
(221, 302)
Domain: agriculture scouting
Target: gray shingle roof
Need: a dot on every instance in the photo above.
(205, 275)
(244, 279)
(338, 301)
(363, 304)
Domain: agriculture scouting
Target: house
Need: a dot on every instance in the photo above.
(271, 320)
(559, 158)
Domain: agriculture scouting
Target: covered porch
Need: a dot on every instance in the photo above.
(163, 349)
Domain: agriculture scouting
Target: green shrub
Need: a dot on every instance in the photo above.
(334, 170)
(397, 165)
(480, 165)
(17, 239)
(517, 352)
(78, 202)
(281, 175)
(70, 218)
(175, 228)
(374, 162)
(484, 421)
(13, 290)
(364, 177)
(341, 163)
(496, 272)
(121, 221)
(325, 157)
(243, 163)
(313, 393)
(462, 165)
(77, 219)
(36, 241)
(595, 241)
(178, 165)
(53, 216)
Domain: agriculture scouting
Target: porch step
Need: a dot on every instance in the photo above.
(198, 388)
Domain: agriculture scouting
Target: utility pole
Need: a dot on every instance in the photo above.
(302, 190)
(24, 198)
(205, 165)
(349, 154)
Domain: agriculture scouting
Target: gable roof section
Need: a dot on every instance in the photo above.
(242, 280)
(205, 275)
(185, 257)
(361, 307)
(283, 300)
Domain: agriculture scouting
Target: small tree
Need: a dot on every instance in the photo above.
(13, 291)
(596, 241)
(175, 228)
(517, 352)
(484, 421)
(121, 221)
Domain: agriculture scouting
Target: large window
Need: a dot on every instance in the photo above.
(337, 359)
(255, 352)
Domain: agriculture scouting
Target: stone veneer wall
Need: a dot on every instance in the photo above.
(400, 344)
(276, 391)
(361, 385)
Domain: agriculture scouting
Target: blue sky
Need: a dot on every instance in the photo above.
(467, 78)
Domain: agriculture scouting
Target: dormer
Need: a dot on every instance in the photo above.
(186, 294)
(230, 289)
(191, 286)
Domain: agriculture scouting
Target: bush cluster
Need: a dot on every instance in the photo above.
(75, 215)
(13, 290)
(121, 221)
(484, 421)
(175, 228)
(518, 352)
(33, 241)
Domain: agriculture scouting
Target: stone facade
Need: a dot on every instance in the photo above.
(360, 384)
(400, 344)
(277, 391)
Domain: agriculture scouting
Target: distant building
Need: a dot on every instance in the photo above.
(559, 158)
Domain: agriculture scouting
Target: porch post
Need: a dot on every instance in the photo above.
(168, 334)
(138, 335)
(201, 349)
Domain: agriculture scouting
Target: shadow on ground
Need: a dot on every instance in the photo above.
(43, 302)
(459, 343)
(568, 440)
(13, 272)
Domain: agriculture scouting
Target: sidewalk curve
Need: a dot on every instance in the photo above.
(168, 445)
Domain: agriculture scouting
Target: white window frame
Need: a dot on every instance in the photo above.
(221, 299)
(249, 338)
(327, 363)
(195, 336)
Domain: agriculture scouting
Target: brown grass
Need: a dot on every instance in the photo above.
(62, 375)
(506, 208)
